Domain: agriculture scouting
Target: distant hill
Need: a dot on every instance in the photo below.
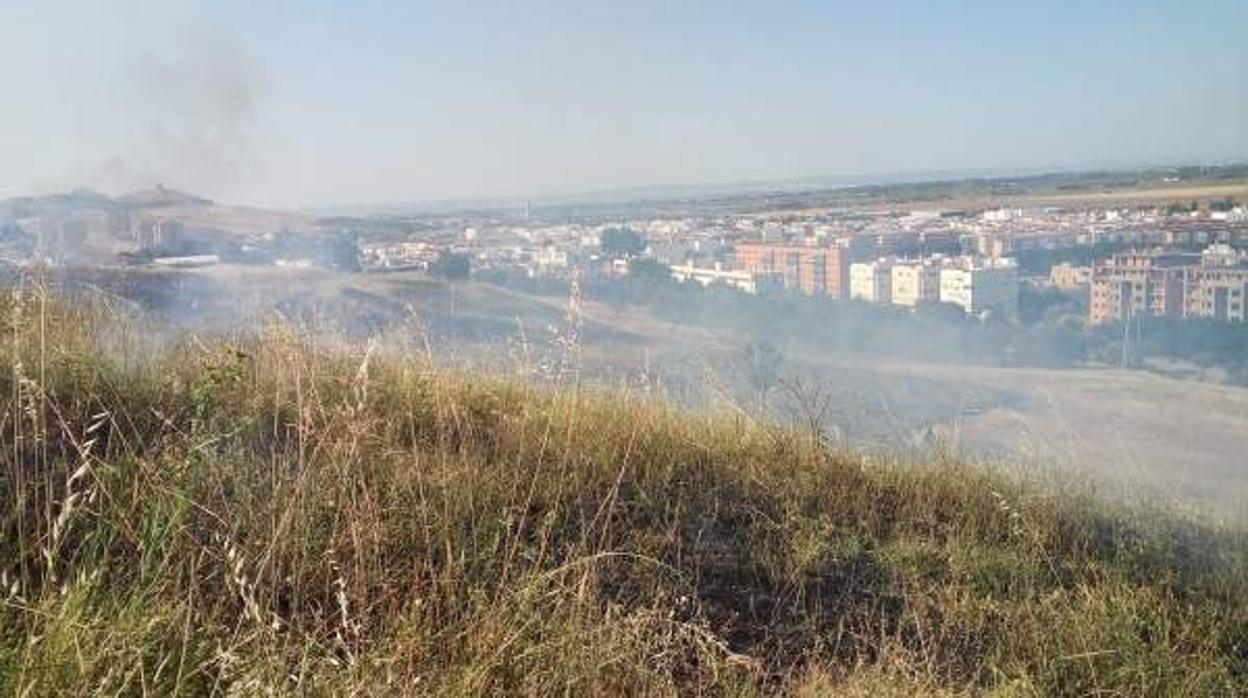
(821, 191)
(87, 228)
(52, 204)
(161, 196)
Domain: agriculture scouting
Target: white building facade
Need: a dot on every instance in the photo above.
(981, 286)
(915, 281)
(749, 282)
(871, 281)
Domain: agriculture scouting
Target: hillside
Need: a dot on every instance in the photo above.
(85, 229)
(257, 513)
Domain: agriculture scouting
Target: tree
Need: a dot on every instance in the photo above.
(762, 361)
(649, 270)
(621, 242)
(940, 311)
(452, 266)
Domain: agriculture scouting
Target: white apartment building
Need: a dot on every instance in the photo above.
(871, 281)
(550, 257)
(915, 281)
(981, 285)
(1218, 292)
(747, 281)
(1222, 255)
(1002, 215)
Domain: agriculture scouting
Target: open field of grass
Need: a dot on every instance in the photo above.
(264, 514)
(958, 196)
(1134, 433)
(1180, 192)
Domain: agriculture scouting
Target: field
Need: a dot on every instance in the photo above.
(1135, 434)
(1139, 435)
(1070, 191)
(1149, 194)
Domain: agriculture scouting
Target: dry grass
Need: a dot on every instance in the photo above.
(267, 515)
(1181, 192)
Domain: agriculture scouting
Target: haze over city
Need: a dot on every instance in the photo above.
(322, 103)
(624, 348)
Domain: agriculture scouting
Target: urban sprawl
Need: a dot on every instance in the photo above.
(1173, 261)
(1184, 260)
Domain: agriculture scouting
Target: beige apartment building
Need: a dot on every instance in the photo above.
(915, 281)
(1070, 276)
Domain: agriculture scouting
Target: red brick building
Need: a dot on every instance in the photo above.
(815, 270)
(1139, 283)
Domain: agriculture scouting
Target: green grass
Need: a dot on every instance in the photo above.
(267, 515)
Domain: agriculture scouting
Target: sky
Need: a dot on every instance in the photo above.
(286, 103)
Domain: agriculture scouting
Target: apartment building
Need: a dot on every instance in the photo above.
(397, 255)
(981, 285)
(1216, 293)
(871, 281)
(1218, 288)
(915, 281)
(1222, 255)
(815, 270)
(1211, 285)
(1070, 276)
(1139, 283)
(740, 279)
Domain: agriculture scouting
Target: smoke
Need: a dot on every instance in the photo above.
(191, 107)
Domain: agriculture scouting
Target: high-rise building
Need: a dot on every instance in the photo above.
(815, 270)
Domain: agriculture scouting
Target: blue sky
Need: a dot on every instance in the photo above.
(302, 103)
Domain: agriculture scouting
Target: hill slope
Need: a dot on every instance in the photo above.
(263, 514)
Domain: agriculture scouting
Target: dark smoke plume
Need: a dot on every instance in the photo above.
(193, 104)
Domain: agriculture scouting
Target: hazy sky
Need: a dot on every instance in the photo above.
(310, 103)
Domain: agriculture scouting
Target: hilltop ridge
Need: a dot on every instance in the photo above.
(160, 195)
(265, 514)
